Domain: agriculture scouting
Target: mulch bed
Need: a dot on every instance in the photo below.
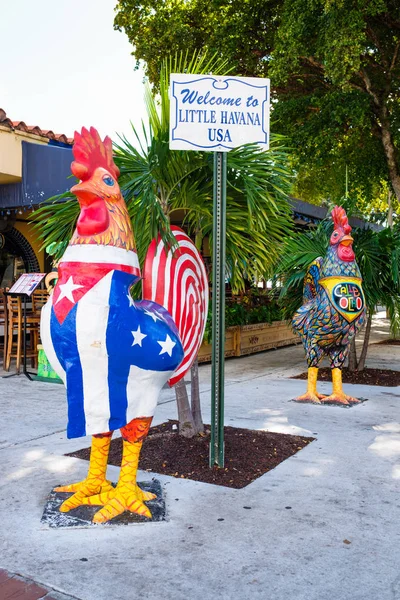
(389, 343)
(248, 454)
(384, 377)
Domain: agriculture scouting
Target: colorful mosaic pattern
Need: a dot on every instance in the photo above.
(334, 303)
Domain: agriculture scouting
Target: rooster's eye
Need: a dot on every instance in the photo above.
(108, 180)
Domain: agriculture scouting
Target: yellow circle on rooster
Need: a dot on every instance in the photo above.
(346, 295)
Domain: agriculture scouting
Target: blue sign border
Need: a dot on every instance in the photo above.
(214, 81)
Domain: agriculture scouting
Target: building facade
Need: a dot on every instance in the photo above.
(34, 166)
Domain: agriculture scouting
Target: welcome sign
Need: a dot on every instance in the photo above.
(218, 113)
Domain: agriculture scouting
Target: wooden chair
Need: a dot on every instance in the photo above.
(15, 328)
(3, 323)
(39, 299)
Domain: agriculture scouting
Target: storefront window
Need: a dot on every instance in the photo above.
(11, 265)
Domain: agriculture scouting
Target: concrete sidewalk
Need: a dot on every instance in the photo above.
(323, 525)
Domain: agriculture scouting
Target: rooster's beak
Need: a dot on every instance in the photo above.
(85, 192)
(346, 240)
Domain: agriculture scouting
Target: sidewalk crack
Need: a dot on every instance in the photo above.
(39, 437)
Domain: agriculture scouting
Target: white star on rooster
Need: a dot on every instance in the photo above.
(138, 336)
(67, 290)
(130, 300)
(167, 346)
(152, 315)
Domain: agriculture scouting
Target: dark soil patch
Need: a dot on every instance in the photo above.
(248, 454)
(384, 377)
(389, 343)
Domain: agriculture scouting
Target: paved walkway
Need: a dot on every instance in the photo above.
(323, 525)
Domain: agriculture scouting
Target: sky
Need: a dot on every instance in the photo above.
(63, 67)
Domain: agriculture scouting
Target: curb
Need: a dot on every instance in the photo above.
(16, 587)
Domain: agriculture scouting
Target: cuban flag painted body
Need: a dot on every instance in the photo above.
(113, 354)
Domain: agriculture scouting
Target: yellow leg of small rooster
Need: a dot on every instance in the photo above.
(311, 395)
(127, 495)
(96, 481)
(338, 396)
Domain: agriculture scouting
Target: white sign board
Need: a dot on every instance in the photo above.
(27, 283)
(209, 112)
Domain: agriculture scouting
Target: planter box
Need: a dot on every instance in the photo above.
(231, 345)
(248, 339)
(264, 336)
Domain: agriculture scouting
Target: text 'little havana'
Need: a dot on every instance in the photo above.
(192, 115)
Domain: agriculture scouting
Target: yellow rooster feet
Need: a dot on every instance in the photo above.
(124, 497)
(82, 490)
(310, 397)
(338, 396)
(341, 399)
(96, 490)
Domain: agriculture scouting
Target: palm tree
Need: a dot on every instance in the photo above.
(378, 256)
(156, 181)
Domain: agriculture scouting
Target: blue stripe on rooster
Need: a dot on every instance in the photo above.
(333, 311)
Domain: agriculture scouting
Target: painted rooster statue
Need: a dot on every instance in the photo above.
(115, 354)
(333, 311)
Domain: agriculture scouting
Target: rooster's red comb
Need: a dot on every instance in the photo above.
(340, 220)
(90, 153)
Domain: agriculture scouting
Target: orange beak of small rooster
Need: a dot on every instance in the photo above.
(347, 240)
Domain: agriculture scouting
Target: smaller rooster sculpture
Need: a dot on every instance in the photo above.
(115, 354)
(333, 311)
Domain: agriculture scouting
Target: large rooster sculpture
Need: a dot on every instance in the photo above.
(115, 354)
(333, 311)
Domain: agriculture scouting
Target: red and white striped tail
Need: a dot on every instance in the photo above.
(180, 284)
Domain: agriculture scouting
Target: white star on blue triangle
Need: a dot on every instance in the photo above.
(167, 346)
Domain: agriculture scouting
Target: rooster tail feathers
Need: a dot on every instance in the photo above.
(311, 280)
(178, 281)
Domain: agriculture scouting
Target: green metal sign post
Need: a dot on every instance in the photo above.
(209, 113)
(218, 311)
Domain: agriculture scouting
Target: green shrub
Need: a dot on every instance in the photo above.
(246, 311)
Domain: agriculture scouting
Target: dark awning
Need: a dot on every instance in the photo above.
(45, 173)
(305, 213)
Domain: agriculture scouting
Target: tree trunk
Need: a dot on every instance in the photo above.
(353, 356)
(390, 152)
(383, 122)
(195, 398)
(186, 423)
(390, 210)
(189, 417)
(363, 355)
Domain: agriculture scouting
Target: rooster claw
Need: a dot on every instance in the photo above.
(315, 398)
(127, 498)
(340, 399)
(116, 501)
(82, 491)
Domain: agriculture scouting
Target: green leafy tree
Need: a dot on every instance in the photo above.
(378, 256)
(243, 32)
(334, 67)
